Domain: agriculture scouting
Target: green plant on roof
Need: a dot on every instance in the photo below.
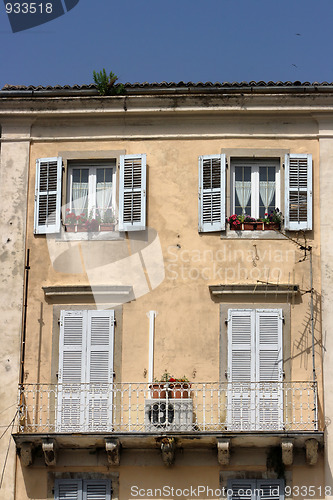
(106, 83)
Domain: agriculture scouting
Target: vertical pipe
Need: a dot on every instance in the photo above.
(24, 326)
(151, 315)
(313, 343)
(312, 321)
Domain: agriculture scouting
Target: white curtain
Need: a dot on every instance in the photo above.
(103, 197)
(243, 191)
(80, 197)
(267, 191)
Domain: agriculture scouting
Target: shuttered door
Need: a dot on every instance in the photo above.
(241, 369)
(270, 489)
(211, 193)
(255, 489)
(48, 195)
(100, 370)
(68, 489)
(298, 187)
(97, 490)
(132, 193)
(71, 375)
(241, 489)
(269, 358)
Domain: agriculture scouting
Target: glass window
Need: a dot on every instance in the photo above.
(255, 187)
(91, 190)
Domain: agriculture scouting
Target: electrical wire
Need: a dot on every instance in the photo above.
(9, 407)
(8, 447)
(11, 422)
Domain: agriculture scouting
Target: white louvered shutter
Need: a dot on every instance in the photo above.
(270, 489)
(241, 489)
(241, 369)
(97, 490)
(71, 374)
(132, 193)
(48, 195)
(269, 369)
(298, 188)
(99, 373)
(68, 489)
(211, 193)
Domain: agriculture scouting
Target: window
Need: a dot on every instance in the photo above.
(91, 186)
(255, 189)
(91, 189)
(82, 489)
(85, 373)
(255, 370)
(255, 489)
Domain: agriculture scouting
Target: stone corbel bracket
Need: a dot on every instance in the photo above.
(49, 447)
(223, 451)
(113, 447)
(168, 449)
(311, 451)
(26, 454)
(287, 446)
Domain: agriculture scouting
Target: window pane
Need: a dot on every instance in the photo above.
(243, 190)
(103, 190)
(266, 190)
(79, 195)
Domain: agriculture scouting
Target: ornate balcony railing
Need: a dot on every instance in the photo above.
(136, 408)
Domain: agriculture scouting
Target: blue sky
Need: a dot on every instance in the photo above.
(174, 40)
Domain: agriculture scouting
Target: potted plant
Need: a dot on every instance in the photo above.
(273, 220)
(235, 222)
(93, 225)
(159, 387)
(250, 223)
(108, 221)
(81, 223)
(179, 387)
(70, 221)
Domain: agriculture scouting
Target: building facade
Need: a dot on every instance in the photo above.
(170, 348)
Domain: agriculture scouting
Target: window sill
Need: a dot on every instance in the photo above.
(230, 234)
(89, 236)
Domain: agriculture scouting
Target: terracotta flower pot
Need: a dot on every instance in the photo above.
(271, 226)
(107, 227)
(235, 227)
(70, 228)
(81, 228)
(250, 226)
(158, 390)
(180, 390)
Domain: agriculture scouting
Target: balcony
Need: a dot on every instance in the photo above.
(246, 414)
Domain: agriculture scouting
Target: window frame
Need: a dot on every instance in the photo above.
(92, 166)
(256, 486)
(82, 487)
(247, 324)
(254, 163)
(285, 306)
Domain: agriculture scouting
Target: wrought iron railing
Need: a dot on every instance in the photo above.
(138, 408)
